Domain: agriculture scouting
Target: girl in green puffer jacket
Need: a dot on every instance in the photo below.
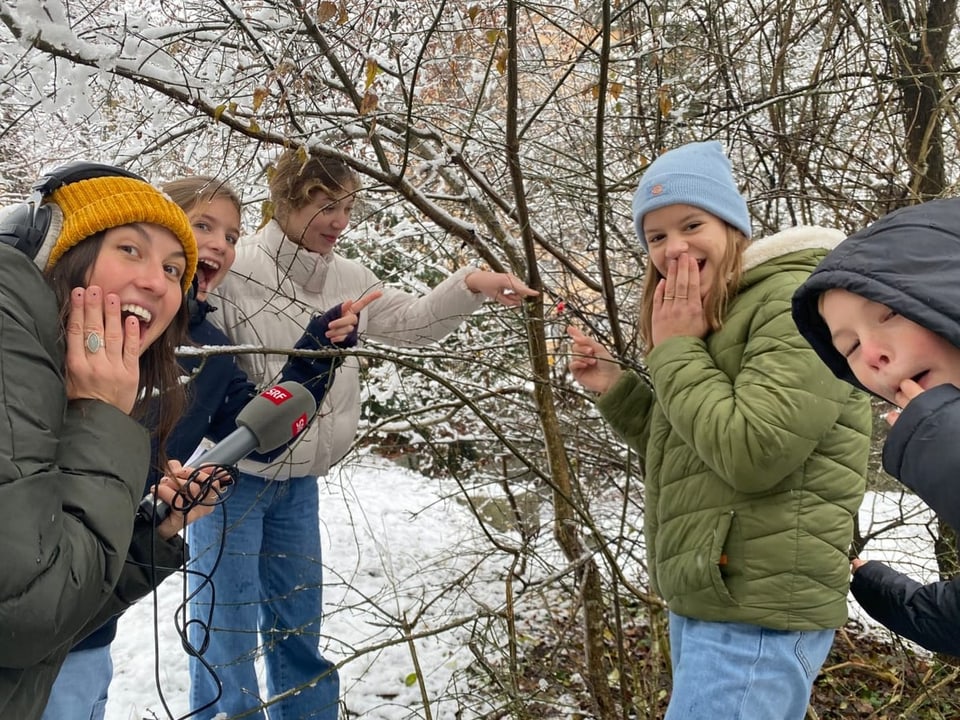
(755, 457)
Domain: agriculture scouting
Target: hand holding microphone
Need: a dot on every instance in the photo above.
(271, 419)
(193, 493)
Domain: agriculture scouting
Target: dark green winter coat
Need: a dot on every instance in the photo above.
(755, 456)
(71, 475)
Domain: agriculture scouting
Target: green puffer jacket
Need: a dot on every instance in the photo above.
(71, 475)
(755, 456)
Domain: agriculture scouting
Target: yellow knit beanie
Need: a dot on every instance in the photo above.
(98, 204)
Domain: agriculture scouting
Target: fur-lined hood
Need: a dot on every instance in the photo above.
(801, 237)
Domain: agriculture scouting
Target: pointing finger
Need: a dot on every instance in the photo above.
(358, 305)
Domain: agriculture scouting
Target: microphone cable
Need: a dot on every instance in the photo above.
(195, 491)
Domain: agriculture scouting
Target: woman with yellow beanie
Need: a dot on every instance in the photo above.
(88, 328)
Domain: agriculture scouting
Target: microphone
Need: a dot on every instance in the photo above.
(271, 419)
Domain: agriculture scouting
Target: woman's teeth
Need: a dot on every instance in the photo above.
(140, 312)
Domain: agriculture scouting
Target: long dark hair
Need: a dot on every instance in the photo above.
(160, 398)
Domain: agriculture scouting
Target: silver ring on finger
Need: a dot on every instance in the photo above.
(93, 343)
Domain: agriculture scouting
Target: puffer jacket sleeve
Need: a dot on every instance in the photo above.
(626, 406)
(927, 614)
(70, 478)
(755, 429)
(923, 453)
(150, 561)
(316, 373)
(401, 319)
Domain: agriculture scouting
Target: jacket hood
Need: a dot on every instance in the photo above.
(908, 260)
(786, 242)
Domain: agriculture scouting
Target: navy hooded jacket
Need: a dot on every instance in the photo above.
(908, 260)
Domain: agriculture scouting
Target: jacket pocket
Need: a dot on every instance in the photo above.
(718, 557)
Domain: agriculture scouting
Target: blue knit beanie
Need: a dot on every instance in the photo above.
(696, 174)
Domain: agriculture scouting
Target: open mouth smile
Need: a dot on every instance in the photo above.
(144, 316)
(208, 269)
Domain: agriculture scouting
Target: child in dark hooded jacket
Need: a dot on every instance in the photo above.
(883, 312)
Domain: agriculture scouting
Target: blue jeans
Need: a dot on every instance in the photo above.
(736, 671)
(80, 691)
(270, 579)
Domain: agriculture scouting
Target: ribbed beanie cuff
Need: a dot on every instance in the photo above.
(98, 204)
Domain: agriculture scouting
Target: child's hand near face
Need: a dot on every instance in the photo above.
(908, 390)
(677, 306)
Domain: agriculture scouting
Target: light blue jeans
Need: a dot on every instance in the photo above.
(736, 671)
(269, 579)
(80, 691)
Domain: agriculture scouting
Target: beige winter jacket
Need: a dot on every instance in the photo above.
(273, 290)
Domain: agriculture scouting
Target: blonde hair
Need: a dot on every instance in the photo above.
(297, 176)
(715, 308)
(188, 192)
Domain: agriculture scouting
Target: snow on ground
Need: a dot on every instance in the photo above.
(392, 545)
(397, 548)
(907, 548)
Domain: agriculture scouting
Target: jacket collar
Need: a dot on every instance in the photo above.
(306, 269)
(199, 309)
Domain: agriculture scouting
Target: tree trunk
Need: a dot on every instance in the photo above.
(920, 47)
